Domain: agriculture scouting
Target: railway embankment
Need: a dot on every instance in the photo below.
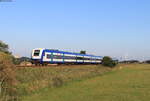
(32, 79)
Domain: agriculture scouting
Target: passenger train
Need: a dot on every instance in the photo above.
(50, 56)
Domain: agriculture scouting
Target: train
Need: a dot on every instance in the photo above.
(51, 56)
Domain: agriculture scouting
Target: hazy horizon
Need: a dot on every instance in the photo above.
(106, 28)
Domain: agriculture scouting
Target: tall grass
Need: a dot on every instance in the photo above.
(33, 79)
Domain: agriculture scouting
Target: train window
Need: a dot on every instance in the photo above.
(36, 52)
(69, 57)
(80, 58)
(92, 59)
(86, 58)
(57, 56)
(48, 56)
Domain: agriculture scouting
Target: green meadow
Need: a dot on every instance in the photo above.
(125, 83)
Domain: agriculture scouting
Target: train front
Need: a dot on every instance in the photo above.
(36, 55)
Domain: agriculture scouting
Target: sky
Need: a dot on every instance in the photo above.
(117, 28)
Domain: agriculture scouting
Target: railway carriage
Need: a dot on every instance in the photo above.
(49, 56)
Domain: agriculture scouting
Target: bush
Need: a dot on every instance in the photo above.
(8, 90)
(4, 47)
(148, 61)
(107, 61)
(18, 61)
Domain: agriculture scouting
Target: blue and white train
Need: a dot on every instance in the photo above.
(49, 56)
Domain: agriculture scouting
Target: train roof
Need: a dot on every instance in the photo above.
(58, 51)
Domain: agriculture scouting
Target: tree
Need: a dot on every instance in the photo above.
(17, 61)
(4, 48)
(82, 52)
(8, 82)
(147, 61)
(107, 61)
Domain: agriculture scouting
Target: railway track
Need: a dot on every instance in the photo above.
(52, 65)
(37, 65)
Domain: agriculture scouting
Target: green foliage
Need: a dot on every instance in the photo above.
(148, 61)
(8, 82)
(82, 52)
(107, 61)
(4, 48)
(17, 61)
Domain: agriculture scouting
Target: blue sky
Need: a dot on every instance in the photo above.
(116, 28)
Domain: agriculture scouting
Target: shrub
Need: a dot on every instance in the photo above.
(82, 52)
(107, 61)
(148, 61)
(8, 90)
(18, 61)
(4, 47)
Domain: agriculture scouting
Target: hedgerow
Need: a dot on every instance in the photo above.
(8, 82)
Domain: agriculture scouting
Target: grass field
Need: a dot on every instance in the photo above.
(131, 83)
(32, 79)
